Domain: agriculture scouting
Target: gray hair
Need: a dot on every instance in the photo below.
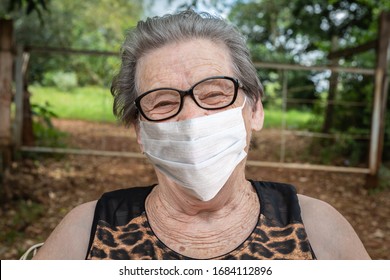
(153, 33)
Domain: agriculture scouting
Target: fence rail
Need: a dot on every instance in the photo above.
(284, 131)
(255, 163)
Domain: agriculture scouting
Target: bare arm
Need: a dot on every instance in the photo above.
(330, 234)
(70, 238)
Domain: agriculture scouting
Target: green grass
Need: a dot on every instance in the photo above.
(84, 103)
(95, 104)
(294, 119)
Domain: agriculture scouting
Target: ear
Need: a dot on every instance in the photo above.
(138, 134)
(257, 119)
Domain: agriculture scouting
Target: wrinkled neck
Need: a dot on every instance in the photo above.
(178, 199)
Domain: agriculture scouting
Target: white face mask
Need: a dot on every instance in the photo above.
(199, 154)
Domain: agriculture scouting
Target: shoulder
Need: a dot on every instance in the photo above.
(70, 238)
(330, 234)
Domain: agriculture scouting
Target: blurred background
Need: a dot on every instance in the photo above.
(324, 65)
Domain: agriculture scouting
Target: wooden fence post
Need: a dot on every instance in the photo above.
(19, 98)
(380, 100)
(6, 65)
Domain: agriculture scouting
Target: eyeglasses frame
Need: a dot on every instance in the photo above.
(183, 93)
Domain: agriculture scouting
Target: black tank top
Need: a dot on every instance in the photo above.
(120, 228)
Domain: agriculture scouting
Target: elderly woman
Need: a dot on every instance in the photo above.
(188, 86)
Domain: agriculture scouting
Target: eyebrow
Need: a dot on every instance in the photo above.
(193, 84)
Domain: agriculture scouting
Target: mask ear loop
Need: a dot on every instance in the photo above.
(243, 104)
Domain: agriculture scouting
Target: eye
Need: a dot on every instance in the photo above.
(212, 94)
(165, 104)
(160, 100)
(214, 98)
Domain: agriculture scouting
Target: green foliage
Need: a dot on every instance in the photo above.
(294, 119)
(26, 212)
(43, 113)
(87, 25)
(356, 90)
(47, 136)
(61, 80)
(344, 150)
(10, 7)
(45, 133)
(384, 178)
(94, 103)
(294, 31)
(84, 103)
(299, 31)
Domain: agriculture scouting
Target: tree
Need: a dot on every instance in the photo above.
(10, 7)
(92, 25)
(329, 25)
(267, 26)
(302, 31)
(7, 11)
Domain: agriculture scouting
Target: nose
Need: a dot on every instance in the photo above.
(190, 110)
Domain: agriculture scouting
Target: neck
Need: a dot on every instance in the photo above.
(176, 199)
(203, 229)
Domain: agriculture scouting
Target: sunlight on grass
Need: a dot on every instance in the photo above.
(294, 119)
(86, 103)
(95, 104)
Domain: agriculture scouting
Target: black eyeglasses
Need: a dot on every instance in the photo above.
(212, 93)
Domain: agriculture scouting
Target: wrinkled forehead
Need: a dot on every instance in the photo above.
(181, 64)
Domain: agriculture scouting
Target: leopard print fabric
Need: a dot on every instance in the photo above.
(121, 230)
(136, 241)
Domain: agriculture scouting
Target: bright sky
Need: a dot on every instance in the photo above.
(161, 7)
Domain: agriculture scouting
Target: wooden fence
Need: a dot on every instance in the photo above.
(378, 112)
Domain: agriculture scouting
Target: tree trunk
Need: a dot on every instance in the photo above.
(6, 67)
(28, 138)
(380, 100)
(333, 81)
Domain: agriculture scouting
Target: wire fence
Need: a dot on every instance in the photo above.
(284, 143)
